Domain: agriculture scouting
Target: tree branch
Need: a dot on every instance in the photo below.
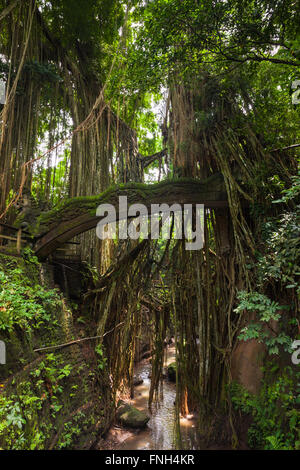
(146, 161)
(75, 341)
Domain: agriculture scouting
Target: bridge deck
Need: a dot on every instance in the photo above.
(78, 215)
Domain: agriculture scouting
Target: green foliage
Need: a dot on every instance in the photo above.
(43, 395)
(275, 411)
(101, 359)
(293, 192)
(182, 35)
(281, 259)
(266, 311)
(29, 256)
(148, 131)
(88, 27)
(70, 432)
(49, 371)
(21, 411)
(271, 103)
(42, 72)
(279, 263)
(25, 303)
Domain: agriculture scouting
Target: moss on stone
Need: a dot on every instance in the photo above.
(55, 395)
(79, 205)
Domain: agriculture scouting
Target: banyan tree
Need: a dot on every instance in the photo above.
(72, 134)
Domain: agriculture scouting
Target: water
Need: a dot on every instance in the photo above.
(160, 431)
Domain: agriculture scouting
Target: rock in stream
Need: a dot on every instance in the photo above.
(131, 417)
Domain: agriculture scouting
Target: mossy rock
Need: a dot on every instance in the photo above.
(131, 417)
(172, 372)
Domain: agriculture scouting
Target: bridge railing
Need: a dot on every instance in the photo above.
(17, 235)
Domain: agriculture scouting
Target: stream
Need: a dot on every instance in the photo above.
(160, 431)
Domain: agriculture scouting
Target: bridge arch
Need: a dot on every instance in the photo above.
(78, 215)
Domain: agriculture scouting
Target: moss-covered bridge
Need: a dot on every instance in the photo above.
(77, 215)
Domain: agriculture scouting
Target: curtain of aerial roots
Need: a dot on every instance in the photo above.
(203, 289)
(205, 282)
(18, 121)
(35, 110)
(104, 151)
(116, 303)
(43, 101)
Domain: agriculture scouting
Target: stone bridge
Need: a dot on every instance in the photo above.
(78, 215)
